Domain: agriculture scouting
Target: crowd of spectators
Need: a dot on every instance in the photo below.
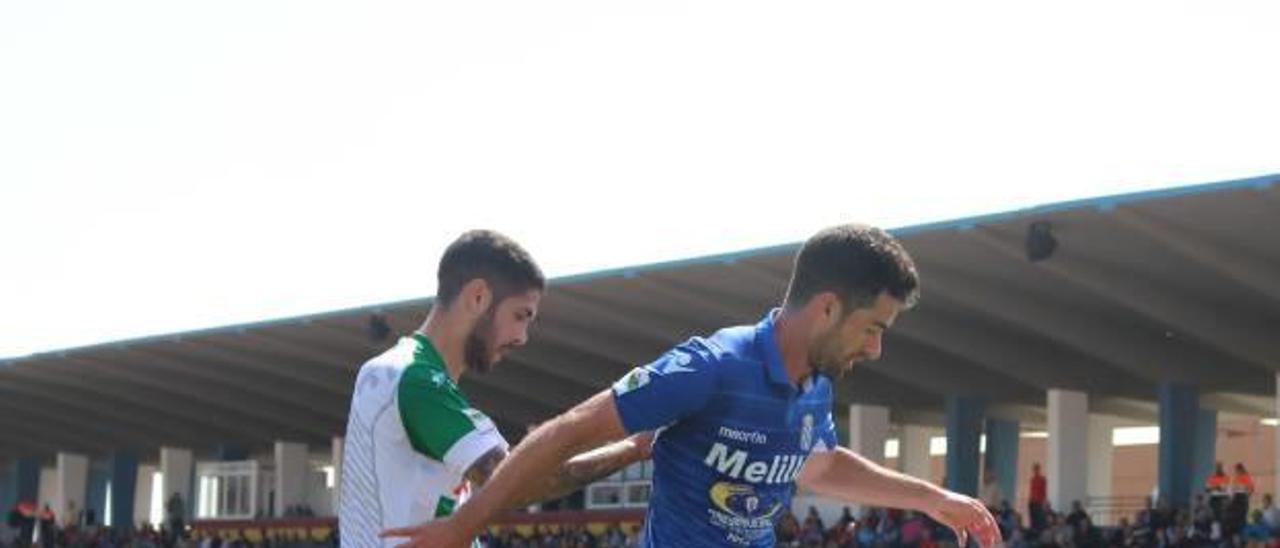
(1220, 516)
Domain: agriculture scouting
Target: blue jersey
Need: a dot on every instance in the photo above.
(733, 433)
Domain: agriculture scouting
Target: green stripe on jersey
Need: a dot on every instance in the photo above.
(433, 410)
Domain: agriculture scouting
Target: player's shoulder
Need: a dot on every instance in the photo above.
(735, 345)
(387, 368)
(399, 355)
(726, 346)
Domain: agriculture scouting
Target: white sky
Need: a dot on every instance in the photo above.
(166, 166)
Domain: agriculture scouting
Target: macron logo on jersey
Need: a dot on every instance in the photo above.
(782, 469)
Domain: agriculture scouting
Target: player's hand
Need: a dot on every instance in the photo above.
(966, 516)
(432, 534)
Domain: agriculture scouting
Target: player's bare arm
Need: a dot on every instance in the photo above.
(546, 450)
(845, 475)
(573, 475)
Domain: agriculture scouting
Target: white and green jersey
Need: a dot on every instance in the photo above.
(411, 436)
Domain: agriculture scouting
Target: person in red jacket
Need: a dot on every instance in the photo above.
(1038, 498)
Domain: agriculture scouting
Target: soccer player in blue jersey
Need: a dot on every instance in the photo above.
(743, 416)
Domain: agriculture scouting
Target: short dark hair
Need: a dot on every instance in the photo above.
(492, 257)
(857, 263)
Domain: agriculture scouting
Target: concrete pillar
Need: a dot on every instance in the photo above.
(95, 498)
(964, 434)
(1001, 458)
(48, 487)
(124, 478)
(1179, 405)
(1068, 468)
(1101, 455)
(177, 469)
(291, 475)
(868, 430)
(1206, 451)
(143, 486)
(913, 451)
(72, 486)
(1101, 452)
(336, 447)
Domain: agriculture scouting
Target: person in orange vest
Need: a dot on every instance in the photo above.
(1216, 488)
(1217, 482)
(25, 517)
(1240, 489)
(45, 528)
(1241, 481)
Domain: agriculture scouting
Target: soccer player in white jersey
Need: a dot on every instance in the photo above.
(413, 442)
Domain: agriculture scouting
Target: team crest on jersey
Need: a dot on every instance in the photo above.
(806, 432)
(741, 501)
(636, 379)
(743, 513)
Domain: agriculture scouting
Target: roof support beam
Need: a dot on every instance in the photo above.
(1238, 267)
(997, 345)
(107, 411)
(1226, 332)
(156, 403)
(253, 409)
(1146, 354)
(202, 370)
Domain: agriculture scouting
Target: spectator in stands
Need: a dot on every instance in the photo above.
(1133, 534)
(865, 535)
(1016, 540)
(48, 526)
(1037, 498)
(812, 531)
(888, 531)
(1057, 532)
(614, 537)
(1088, 536)
(1201, 514)
(1216, 488)
(846, 517)
(1241, 481)
(913, 528)
(1257, 533)
(845, 536)
(1270, 514)
(788, 531)
(175, 513)
(990, 494)
(1009, 520)
(1162, 515)
(814, 518)
(1077, 514)
(1239, 489)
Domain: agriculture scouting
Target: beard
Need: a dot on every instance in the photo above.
(832, 369)
(825, 357)
(477, 352)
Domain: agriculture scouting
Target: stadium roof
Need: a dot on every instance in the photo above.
(1171, 285)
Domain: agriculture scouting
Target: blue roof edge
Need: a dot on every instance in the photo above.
(1101, 202)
